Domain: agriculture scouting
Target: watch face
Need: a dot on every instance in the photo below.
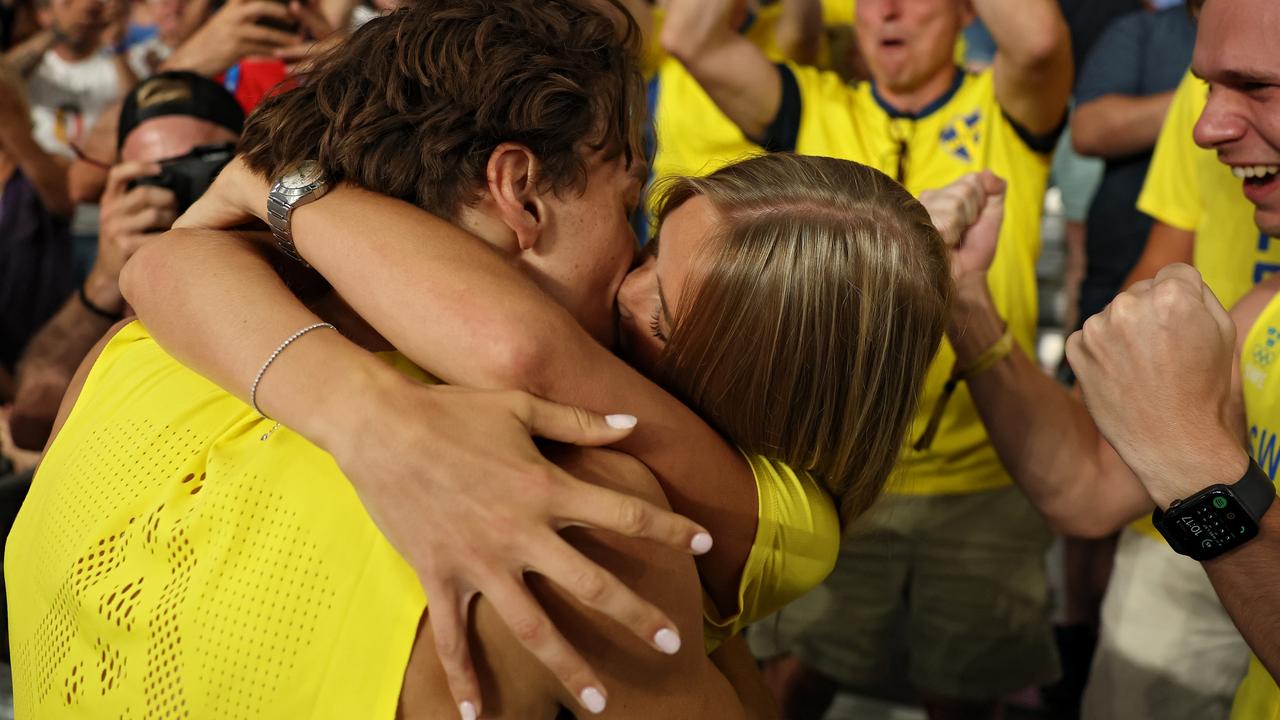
(308, 173)
(1209, 525)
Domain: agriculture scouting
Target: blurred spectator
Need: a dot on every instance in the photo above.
(692, 135)
(972, 640)
(1122, 96)
(35, 248)
(1088, 19)
(71, 82)
(173, 130)
(146, 56)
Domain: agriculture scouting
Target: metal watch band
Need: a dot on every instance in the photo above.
(278, 215)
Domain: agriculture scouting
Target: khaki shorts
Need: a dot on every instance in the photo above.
(956, 582)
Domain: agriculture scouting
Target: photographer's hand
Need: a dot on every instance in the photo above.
(130, 219)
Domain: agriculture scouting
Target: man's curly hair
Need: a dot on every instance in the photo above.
(413, 104)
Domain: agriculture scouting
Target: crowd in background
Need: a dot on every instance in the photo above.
(116, 115)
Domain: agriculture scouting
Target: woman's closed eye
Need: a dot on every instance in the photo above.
(655, 324)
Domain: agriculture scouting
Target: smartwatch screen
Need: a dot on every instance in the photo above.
(1216, 523)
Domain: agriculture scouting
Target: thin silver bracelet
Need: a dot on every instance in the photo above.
(253, 389)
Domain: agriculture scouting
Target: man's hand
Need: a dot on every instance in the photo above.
(968, 214)
(1155, 368)
(453, 479)
(130, 219)
(232, 34)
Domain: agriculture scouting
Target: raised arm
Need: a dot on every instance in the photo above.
(1043, 435)
(1033, 67)
(1160, 373)
(734, 72)
(47, 173)
(800, 29)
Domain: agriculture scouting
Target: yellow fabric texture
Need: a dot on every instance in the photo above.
(1187, 188)
(797, 542)
(170, 563)
(837, 13)
(1258, 697)
(968, 133)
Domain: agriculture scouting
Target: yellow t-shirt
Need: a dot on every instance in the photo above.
(838, 13)
(1187, 188)
(1258, 697)
(168, 561)
(965, 131)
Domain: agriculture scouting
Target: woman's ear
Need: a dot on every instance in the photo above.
(513, 174)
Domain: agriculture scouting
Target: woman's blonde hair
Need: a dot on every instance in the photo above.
(811, 317)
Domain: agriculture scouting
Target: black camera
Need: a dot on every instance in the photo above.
(188, 176)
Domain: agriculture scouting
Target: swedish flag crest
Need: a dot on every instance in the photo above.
(961, 136)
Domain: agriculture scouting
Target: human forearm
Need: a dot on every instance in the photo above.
(47, 367)
(733, 72)
(1044, 436)
(800, 29)
(466, 313)
(734, 661)
(217, 328)
(1248, 583)
(1115, 126)
(26, 55)
(1033, 65)
(47, 173)
(1166, 245)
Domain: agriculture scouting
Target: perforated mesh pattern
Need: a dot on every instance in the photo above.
(200, 573)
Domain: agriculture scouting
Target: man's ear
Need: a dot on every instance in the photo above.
(513, 175)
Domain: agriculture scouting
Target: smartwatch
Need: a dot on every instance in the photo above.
(1219, 518)
(303, 185)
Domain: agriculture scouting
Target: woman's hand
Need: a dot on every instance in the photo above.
(454, 480)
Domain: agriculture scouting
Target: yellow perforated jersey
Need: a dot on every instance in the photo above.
(1258, 697)
(169, 563)
(965, 131)
(1187, 188)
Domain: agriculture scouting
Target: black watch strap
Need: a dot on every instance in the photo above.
(1255, 490)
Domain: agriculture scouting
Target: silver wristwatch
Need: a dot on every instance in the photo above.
(306, 183)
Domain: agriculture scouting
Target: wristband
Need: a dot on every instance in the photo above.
(984, 362)
(100, 312)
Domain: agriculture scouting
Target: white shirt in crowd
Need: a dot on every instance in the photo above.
(67, 98)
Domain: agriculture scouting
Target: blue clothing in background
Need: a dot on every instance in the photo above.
(1141, 54)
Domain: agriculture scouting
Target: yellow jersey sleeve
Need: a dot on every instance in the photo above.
(1258, 698)
(1172, 193)
(796, 545)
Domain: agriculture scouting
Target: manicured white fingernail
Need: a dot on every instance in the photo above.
(593, 700)
(620, 422)
(668, 641)
(701, 544)
(467, 710)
